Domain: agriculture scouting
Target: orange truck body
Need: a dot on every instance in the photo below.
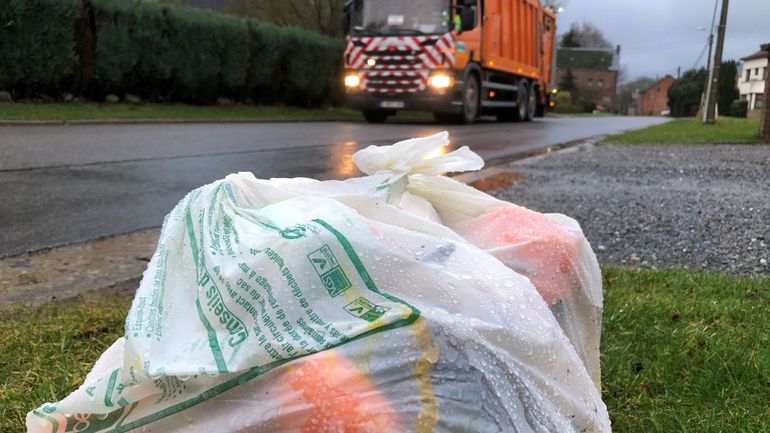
(516, 40)
(499, 58)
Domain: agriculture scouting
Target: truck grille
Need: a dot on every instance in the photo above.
(402, 64)
(384, 61)
(402, 82)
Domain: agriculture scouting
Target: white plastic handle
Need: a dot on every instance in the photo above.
(424, 155)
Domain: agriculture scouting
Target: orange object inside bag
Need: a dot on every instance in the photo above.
(337, 396)
(531, 244)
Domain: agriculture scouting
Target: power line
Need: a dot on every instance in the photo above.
(702, 52)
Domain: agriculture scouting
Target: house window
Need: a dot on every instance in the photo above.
(756, 71)
(759, 100)
(764, 73)
(600, 82)
(748, 75)
(590, 82)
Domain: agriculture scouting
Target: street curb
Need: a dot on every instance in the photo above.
(108, 264)
(68, 271)
(162, 121)
(495, 166)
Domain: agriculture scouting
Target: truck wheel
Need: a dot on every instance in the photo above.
(375, 116)
(531, 103)
(470, 100)
(522, 101)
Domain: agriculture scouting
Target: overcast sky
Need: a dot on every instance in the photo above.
(656, 36)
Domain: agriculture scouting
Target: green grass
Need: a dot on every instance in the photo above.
(45, 352)
(693, 131)
(686, 352)
(19, 111)
(681, 352)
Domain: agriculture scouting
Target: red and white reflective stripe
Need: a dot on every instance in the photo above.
(424, 58)
(412, 81)
(446, 44)
(393, 67)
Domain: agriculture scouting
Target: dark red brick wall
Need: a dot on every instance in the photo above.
(655, 99)
(587, 87)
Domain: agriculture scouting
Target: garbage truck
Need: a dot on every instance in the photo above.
(458, 59)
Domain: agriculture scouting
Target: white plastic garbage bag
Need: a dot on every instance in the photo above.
(549, 249)
(306, 306)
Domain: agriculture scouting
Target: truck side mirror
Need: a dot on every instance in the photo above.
(467, 17)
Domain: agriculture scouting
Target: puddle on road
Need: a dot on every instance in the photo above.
(500, 180)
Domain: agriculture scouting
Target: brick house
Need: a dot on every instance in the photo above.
(653, 100)
(596, 75)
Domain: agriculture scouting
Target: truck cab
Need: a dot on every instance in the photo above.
(458, 59)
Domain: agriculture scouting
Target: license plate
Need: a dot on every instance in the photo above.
(392, 104)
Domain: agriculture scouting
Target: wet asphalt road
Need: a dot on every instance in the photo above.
(72, 183)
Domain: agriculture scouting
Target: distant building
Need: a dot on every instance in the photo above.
(596, 75)
(652, 101)
(751, 81)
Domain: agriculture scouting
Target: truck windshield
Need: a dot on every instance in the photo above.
(397, 17)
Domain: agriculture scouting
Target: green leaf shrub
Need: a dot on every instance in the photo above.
(738, 108)
(162, 52)
(37, 46)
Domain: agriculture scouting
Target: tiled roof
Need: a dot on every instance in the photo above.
(758, 55)
(667, 77)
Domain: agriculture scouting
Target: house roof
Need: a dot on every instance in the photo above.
(667, 77)
(758, 55)
(586, 58)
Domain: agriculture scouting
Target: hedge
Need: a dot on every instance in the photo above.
(94, 48)
(307, 69)
(37, 45)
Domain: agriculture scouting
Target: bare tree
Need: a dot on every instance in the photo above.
(585, 35)
(323, 16)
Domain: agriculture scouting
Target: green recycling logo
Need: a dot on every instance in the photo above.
(328, 268)
(295, 232)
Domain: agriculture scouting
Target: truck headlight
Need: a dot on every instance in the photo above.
(441, 80)
(352, 80)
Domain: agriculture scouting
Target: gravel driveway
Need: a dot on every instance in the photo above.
(698, 207)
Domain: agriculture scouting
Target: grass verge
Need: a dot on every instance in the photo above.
(693, 131)
(19, 111)
(685, 351)
(682, 351)
(46, 351)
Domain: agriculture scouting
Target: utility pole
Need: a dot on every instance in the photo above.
(764, 125)
(711, 35)
(711, 91)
